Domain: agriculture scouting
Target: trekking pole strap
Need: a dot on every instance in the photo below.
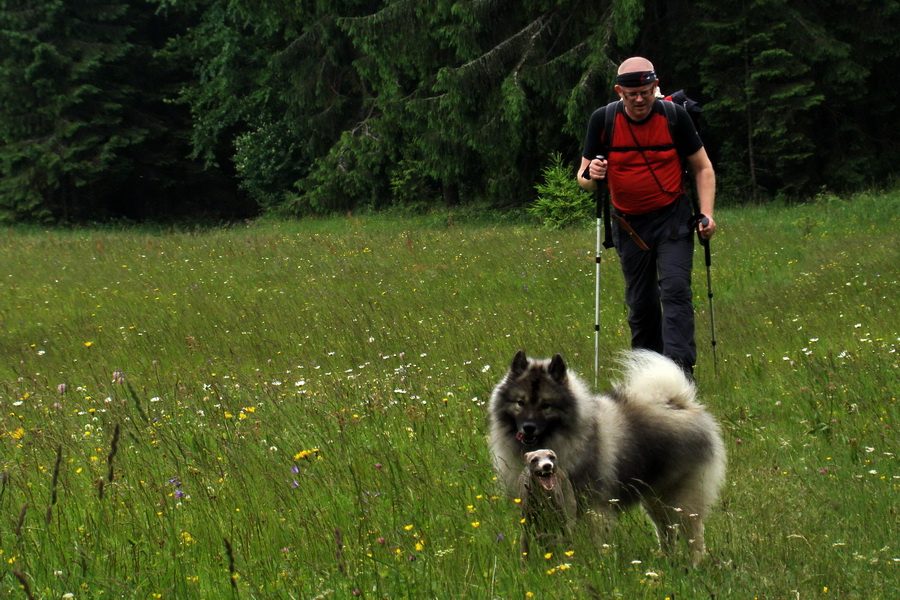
(607, 225)
(603, 209)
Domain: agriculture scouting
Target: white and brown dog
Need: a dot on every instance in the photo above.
(548, 501)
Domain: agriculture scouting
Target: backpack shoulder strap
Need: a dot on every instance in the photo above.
(612, 109)
(671, 117)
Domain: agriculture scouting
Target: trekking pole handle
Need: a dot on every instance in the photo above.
(587, 170)
(699, 220)
(705, 243)
(598, 194)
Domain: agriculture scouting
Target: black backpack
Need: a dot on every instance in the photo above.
(693, 109)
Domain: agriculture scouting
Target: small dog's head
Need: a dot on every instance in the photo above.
(540, 465)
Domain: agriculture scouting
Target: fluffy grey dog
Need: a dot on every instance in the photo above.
(648, 441)
(548, 501)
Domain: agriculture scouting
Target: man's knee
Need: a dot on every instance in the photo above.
(676, 288)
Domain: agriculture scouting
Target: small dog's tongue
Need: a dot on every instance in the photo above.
(519, 436)
(547, 481)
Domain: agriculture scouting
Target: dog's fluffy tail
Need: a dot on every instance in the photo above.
(652, 378)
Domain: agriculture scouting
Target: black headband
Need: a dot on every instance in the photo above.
(636, 79)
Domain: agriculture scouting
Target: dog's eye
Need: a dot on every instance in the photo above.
(520, 403)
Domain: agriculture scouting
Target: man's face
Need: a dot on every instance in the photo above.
(638, 101)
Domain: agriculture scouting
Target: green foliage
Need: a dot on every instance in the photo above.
(769, 68)
(475, 95)
(347, 178)
(65, 96)
(761, 88)
(264, 159)
(411, 188)
(278, 85)
(300, 408)
(561, 202)
(317, 107)
(627, 20)
(88, 129)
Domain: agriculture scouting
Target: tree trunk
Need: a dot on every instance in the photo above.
(451, 195)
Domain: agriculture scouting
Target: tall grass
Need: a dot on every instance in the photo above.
(297, 410)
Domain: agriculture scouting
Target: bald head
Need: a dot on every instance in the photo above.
(635, 63)
(635, 72)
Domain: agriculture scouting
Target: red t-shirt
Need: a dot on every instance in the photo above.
(636, 188)
(643, 176)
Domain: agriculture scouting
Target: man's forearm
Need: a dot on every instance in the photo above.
(705, 182)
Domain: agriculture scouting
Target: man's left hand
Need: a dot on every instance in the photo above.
(708, 229)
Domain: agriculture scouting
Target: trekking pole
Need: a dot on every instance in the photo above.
(598, 196)
(712, 312)
(597, 294)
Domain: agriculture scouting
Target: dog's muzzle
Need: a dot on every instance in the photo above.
(545, 475)
(528, 433)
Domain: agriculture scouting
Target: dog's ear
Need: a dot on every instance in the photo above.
(557, 368)
(519, 364)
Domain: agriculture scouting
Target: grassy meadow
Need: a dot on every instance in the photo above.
(297, 410)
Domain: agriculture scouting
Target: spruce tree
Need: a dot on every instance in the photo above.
(477, 95)
(854, 44)
(275, 83)
(63, 86)
(762, 91)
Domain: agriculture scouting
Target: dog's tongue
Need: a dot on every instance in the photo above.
(528, 441)
(547, 481)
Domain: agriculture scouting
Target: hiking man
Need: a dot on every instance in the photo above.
(654, 221)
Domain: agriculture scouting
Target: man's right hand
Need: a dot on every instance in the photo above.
(591, 171)
(597, 168)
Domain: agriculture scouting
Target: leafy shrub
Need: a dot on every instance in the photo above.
(561, 202)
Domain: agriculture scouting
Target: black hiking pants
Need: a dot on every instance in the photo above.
(658, 281)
